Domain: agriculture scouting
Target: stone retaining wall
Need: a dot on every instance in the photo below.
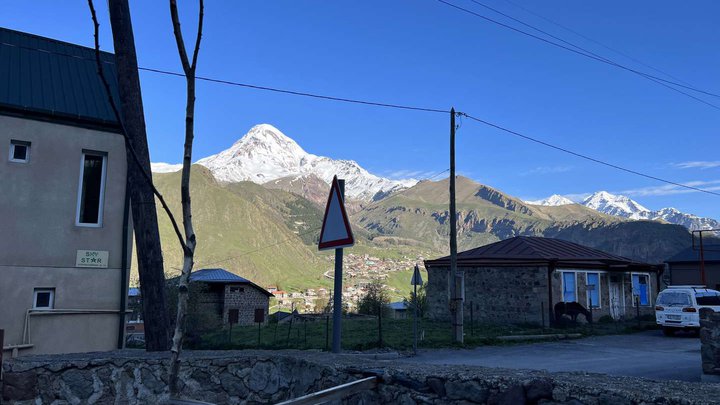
(133, 377)
(710, 341)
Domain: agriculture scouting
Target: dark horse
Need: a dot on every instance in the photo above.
(571, 309)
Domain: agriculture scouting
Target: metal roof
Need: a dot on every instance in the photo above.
(222, 276)
(533, 250)
(711, 254)
(57, 81)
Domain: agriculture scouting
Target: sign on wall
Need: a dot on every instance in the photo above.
(92, 258)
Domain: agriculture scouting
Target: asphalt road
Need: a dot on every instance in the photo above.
(646, 354)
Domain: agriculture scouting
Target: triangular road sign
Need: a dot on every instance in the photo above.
(336, 232)
(416, 278)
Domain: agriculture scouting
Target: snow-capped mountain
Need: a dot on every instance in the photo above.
(161, 167)
(552, 201)
(622, 206)
(265, 154)
(617, 205)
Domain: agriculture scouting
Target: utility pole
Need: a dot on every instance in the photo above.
(142, 200)
(456, 309)
(702, 259)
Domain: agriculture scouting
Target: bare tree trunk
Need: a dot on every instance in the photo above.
(190, 242)
(147, 236)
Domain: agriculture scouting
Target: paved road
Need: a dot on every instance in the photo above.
(647, 354)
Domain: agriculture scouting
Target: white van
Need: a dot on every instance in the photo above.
(678, 307)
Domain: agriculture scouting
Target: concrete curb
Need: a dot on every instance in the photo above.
(514, 338)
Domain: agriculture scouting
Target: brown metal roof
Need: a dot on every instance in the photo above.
(530, 250)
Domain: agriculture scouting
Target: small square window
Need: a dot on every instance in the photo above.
(19, 151)
(44, 298)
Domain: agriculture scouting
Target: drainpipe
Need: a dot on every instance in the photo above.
(124, 266)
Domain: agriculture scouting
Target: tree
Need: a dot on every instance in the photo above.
(374, 300)
(421, 302)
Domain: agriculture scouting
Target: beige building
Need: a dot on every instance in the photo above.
(64, 230)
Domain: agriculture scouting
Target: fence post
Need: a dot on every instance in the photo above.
(542, 313)
(2, 343)
(380, 340)
(287, 340)
(472, 320)
(327, 331)
(637, 309)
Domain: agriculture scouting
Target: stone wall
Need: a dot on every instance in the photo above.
(710, 342)
(249, 377)
(245, 299)
(497, 294)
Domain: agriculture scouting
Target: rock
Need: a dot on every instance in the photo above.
(79, 383)
(538, 389)
(436, 385)
(469, 390)
(514, 395)
(19, 386)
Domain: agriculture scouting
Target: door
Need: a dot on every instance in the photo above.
(615, 299)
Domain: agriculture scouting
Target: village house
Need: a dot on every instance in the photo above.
(66, 227)
(521, 279)
(685, 267)
(234, 299)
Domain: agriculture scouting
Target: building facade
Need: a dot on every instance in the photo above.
(686, 267)
(232, 298)
(522, 279)
(64, 244)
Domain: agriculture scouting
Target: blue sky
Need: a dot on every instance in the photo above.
(424, 53)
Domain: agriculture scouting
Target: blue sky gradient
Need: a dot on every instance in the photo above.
(424, 53)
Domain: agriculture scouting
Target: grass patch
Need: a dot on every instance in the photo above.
(362, 333)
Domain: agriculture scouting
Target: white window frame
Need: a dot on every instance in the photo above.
(17, 142)
(104, 155)
(37, 291)
(562, 284)
(599, 289)
(649, 290)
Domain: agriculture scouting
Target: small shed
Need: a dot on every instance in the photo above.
(398, 309)
(235, 299)
(522, 279)
(685, 267)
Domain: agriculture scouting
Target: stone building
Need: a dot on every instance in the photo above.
(684, 267)
(65, 229)
(519, 280)
(233, 298)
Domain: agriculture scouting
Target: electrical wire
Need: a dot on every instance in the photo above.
(581, 51)
(586, 157)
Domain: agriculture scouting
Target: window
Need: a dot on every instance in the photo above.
(593, 290)
(707, 298)
(91, 191)
(672, 299)
(19, 151)
(641, 288)
(568, 287)
(237, 289)
(44, 298)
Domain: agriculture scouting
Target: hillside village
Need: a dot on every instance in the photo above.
(397, 259)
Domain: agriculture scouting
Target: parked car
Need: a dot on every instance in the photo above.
(678, 307)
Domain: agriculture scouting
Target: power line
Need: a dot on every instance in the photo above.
(566, 28)
(582, 52)
(300, 93)
(586, 157)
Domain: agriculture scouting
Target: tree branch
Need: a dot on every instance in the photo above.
(128, 144)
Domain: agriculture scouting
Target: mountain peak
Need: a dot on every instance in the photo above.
(265, 154)
(618, 205)
(552, 201)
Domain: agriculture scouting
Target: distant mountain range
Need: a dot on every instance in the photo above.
(258, 207)
(625, 207)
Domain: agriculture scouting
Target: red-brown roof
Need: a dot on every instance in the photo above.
(530, 250)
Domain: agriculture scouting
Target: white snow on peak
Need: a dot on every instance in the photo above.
(161, 167)
(265, 154)
(552, 201)
(618, 205)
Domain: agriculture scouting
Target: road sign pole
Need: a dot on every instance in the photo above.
(337, 290)
(415, 304)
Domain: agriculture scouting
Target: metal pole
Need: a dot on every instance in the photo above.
(415, 319)
(327, 332)
(456, 312)
(2, 343)
(337, 298)
(380, 342)
(702, 259)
